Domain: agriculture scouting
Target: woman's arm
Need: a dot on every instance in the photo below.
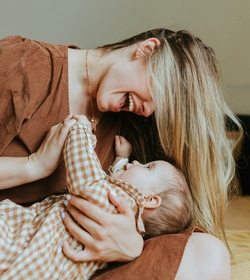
(16, 171)
(108, 237)
(205, 257)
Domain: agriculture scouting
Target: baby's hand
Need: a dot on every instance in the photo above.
(122, 147)
(82, 119)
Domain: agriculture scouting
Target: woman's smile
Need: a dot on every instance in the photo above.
(131, 103)
(127, 102)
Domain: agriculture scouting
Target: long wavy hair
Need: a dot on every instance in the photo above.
(190, 121)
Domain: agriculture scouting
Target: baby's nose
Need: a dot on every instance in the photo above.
(127, 165)
(135, 162)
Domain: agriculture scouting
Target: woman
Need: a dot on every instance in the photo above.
(172, 74)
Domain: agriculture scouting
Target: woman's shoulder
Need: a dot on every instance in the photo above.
(22, 45)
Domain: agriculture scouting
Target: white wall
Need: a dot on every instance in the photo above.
(223, 24)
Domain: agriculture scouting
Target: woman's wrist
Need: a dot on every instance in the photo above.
(135, 248)
(16, 171)
(34, 169)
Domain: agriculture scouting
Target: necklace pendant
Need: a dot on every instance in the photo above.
(94, 123)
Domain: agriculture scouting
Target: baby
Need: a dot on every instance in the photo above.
(163, 186)
(30, 237)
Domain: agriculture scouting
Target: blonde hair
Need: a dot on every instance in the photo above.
(176, 210)
(191, 118)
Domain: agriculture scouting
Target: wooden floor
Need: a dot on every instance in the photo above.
(238, 237)
(238, 214)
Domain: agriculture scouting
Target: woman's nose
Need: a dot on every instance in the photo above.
(148, 108)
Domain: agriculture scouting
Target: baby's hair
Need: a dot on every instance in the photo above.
(176, 210)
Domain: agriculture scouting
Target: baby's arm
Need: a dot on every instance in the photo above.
(123, 150)
(83, 169)
(84, 173)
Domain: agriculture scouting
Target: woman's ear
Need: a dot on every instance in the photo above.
(152, 201)
(146, 47)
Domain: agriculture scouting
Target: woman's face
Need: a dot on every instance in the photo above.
(124, 87)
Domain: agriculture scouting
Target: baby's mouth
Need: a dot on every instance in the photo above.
(129, 102)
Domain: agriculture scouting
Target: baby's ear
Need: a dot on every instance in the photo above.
(152, 201)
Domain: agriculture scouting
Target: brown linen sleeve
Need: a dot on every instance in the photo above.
(25, 76)
(34, 97)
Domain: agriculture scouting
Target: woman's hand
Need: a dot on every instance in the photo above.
(15, 171)
(49, 155)
(107, 237)
(83, 120)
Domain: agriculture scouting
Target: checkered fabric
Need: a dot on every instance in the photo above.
(30, 237)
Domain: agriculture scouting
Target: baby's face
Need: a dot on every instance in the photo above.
(146, 177)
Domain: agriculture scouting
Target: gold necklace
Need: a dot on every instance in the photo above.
(93, 120)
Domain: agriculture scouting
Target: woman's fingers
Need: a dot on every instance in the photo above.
(80, 234)
(84, 222)
(121, 204)
(61, 130)
(82, 119)
(48, 156)
(78, 256)
(108, 237)
(92, 251)
(69, 252)
(90, 210)
(91, 217)
(72, 254)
